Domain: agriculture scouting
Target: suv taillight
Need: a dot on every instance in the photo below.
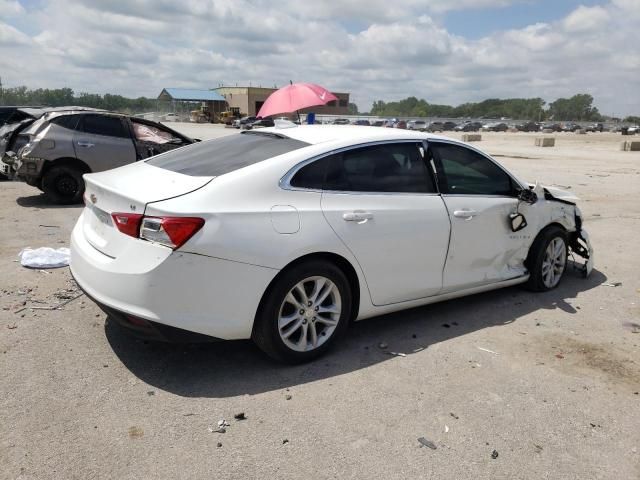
(172, 232)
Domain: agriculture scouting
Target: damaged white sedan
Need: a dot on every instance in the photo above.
(284, 235)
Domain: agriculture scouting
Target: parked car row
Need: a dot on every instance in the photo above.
(51, 148)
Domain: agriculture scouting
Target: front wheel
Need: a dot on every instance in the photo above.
(304, 313)
(547, 259)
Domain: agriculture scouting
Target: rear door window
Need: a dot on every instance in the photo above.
(386, 168)
(224, 155)
(104, 125)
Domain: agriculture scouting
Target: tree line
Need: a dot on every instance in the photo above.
(577, 108)
(60, 97)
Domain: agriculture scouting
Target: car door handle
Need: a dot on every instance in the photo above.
(358, 216)
(86, 144)
(468, 214)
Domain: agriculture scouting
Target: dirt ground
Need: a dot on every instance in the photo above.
(550, 382)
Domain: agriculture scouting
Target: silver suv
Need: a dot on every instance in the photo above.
(60, 147)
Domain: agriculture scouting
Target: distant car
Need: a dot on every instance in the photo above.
(378, 123)
(171, 117)
(556, 127)
(62, 146)
(529, 127)
(571, 127)
(341, 121)
(362, 122)
(419, 125)
(496, 127)
(239, 122)
(468, 127)
(400, 124)
(441, 126)
(595, 127)
(343, 224)
(260, 123)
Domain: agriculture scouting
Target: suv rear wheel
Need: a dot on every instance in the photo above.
(63, 184)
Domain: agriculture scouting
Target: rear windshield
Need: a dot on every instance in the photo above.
(224, 155)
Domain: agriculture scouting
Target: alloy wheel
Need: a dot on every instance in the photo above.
(554, 261)
(309, 314)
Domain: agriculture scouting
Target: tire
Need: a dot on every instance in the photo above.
(63, 184)
(547, 260)
(283, 319)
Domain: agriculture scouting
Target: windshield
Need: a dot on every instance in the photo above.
(224, 155)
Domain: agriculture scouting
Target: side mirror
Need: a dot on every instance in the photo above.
(518, 222)
(528, 196)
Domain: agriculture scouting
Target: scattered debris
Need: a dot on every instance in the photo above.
(288, 397)
(560, 356)
(494, 454)
(383, 345)
(240, 416)
(487, 350)
(396, 354)
(612, 284)
(446, 325)
(213, 429)
(538, 448)
(12, 326)
(285, 441)
(49, 226)
(446, 428)
(454, 415)
(151, 393)
(223, 423)
(427, 443)
(53, 307)
(44, 257)
(219, 444)
(136, 432)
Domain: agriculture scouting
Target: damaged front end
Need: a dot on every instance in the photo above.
(579, 243)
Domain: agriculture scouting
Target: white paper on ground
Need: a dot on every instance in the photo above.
(44, 257)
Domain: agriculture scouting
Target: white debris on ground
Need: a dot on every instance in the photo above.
(44, 257)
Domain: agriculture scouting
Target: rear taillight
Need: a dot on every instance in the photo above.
(127, 223)
(171, 232)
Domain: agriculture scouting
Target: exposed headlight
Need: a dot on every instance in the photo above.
(27, 149)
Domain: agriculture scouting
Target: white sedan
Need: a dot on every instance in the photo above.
(284, 235)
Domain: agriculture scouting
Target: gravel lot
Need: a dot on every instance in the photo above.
(558, 399)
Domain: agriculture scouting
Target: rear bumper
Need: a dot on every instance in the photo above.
(196, 293)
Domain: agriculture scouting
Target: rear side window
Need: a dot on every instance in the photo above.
(393, 168)
(224, 155)
(67, 121)
(104, 125)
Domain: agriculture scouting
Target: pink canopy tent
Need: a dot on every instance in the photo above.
(295, 97)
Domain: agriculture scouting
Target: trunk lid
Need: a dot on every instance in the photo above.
(128, 190)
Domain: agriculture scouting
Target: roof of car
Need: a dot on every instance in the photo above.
(314, 134)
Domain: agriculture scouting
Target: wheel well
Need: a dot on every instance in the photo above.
(339, 261)
(70, 162)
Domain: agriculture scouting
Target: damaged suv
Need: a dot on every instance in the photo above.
(62, 146)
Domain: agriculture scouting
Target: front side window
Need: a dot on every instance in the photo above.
(67, 121)
(386, 168)
(461, 171)
(104, 125)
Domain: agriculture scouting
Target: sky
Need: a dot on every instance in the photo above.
(445, 51)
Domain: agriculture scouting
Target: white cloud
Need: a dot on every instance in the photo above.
(586, 19)
(10, 8)
(367, 48)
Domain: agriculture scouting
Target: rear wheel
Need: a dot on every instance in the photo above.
(547, 260)
(63, 184)
(305, 312)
